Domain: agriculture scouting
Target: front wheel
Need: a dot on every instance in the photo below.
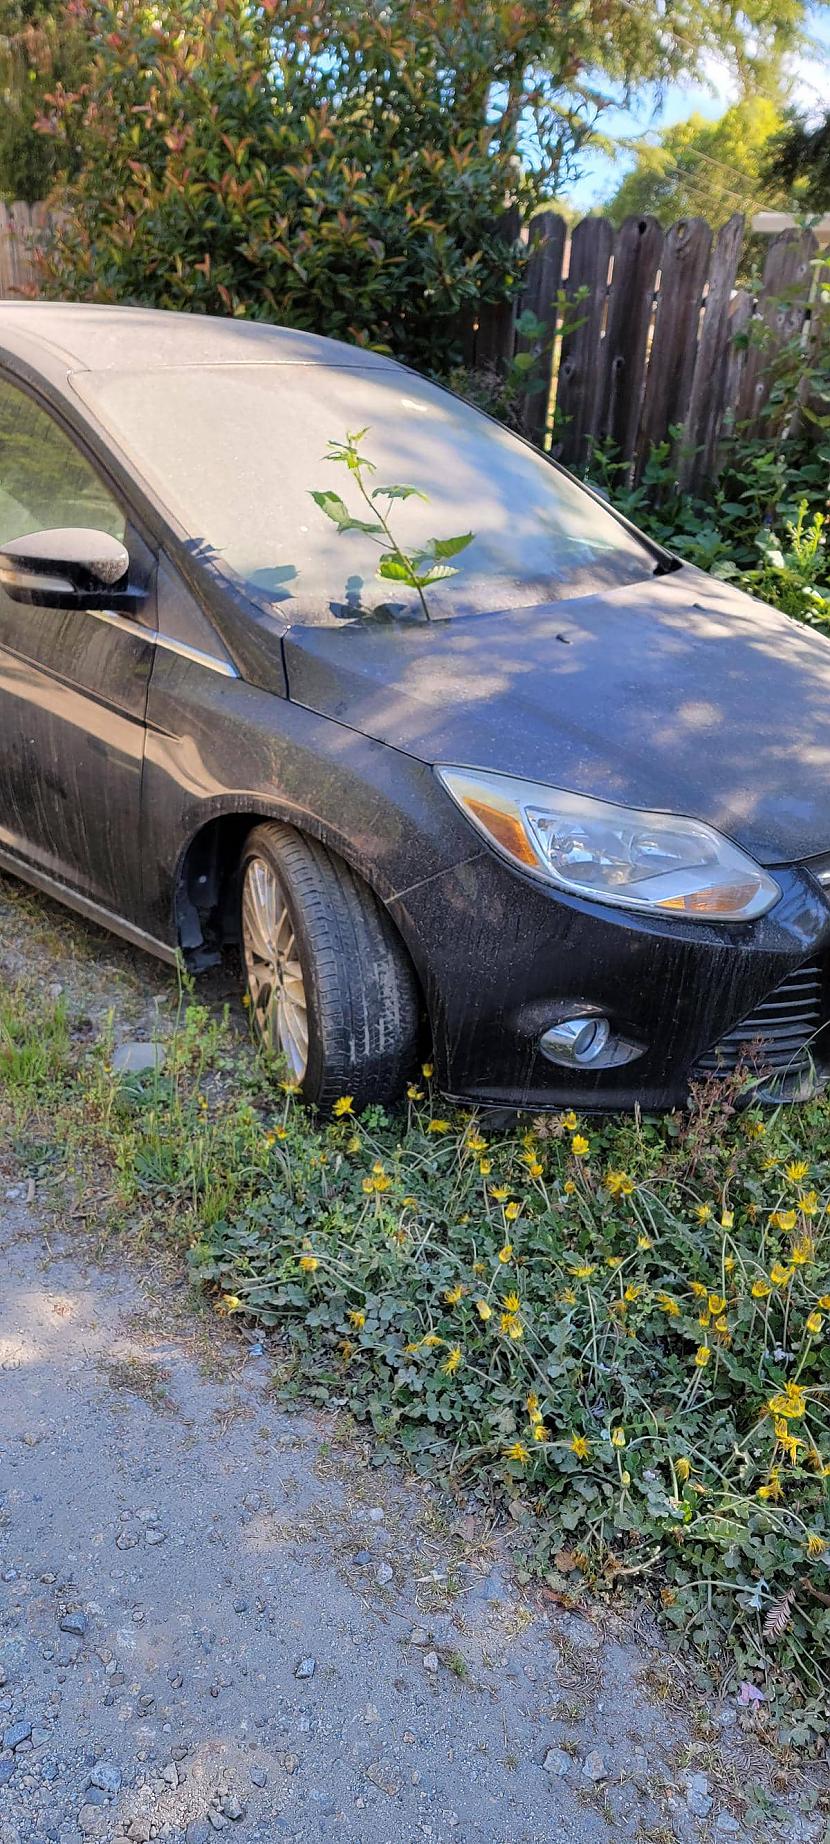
(331, 987)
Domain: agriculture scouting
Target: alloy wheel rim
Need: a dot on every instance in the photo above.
(275, 976)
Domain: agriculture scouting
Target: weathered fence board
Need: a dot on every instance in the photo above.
(578, 384)
(707, 399)
(684, 268)
(543, 280)
(779, 316)
(654, 333)
(637, 253)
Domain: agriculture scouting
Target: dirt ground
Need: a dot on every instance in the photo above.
(219, 1616)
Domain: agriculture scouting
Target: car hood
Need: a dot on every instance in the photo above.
(679, 693)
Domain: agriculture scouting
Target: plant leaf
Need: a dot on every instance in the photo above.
(778, 1618)
(446, 547)
(394, 570)
(336, 509)
(399, 493)
(437, 574)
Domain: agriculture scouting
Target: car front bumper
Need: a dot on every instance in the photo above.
(501, 958)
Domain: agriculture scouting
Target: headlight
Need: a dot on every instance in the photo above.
(639, 860)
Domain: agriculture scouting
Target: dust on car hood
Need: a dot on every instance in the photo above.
(678, 693)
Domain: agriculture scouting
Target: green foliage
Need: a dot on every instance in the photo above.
(619, 1329)
(343, 167)
(700, 168)
(416, 569)
(41, 49)
(798, 161)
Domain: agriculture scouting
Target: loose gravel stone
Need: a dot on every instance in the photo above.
(306, 1668)
(74, 1623)
(16, 1733)
(557, 1763)
(594, 1767)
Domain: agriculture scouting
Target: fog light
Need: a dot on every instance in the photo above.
(576, 1041)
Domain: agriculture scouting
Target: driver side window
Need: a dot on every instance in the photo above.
(45, 481)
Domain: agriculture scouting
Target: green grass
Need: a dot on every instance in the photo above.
(620, 1328)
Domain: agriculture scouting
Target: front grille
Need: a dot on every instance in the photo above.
(780, 1035)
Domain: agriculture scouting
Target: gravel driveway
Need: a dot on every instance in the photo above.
(219, 1617)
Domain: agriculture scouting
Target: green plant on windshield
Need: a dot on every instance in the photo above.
(419, 569)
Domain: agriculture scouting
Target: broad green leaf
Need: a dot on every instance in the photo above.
(437, 574)
(333, 506)
(398, 493)
(394, 570)
(446, 547)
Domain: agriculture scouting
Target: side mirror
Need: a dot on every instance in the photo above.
(73, 568)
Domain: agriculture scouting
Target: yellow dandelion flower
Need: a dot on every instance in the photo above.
(644, 1242)
(539, 1431)
(506, 1253)
(414, 1093)
(702, 1356)
(346, 1350)
(569, 1187)
(569, 1121)
(308, 1263)
(703, 1212)
(815, 1545)
(484, 1311)
(760, 1289)
(518, 1452)
(485, 1167)
(716, 1304)
(814, 1323)
(452, 1362)
(431, 1340)
(796, 1170)
(824, 1302)
(619, 1184)
(802, 1252)
(790, 1402)
(580, 1146)
(353, 1145)
(727, 1219)
(583, 1271)
(772, 1489)
(704, 1319)
(532, 1405)
(698, 1289)
(438, 1126)
(668, 1305)
(617, 1437)
(632, 1293)
(579, 1446)
(613, 1261)
(729, 1264)
(500, 1193)
(721, 1323)
(343, 1106)
(511, 1303)
(512, 1212)
(426, 1070)
(779, 1276)
(567, 1297)
(475, 1143)
(231, 1302)
(357, 1319)
(683, 1468)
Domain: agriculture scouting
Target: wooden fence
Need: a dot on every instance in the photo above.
(639, 330)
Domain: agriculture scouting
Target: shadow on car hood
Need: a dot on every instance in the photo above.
(676, 693)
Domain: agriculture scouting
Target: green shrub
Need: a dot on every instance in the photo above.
(275, 164)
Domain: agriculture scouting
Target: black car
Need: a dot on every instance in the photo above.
(569, 826)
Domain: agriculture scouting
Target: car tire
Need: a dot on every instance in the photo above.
(330, 936)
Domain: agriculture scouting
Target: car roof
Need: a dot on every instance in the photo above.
(64, 336)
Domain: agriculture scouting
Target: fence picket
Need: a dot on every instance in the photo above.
(495, 334)
(543, 280)
(779, 315)
(671, 362)
(636, 259)
(707, 399)
(578, 384)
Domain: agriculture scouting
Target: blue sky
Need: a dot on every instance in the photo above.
(810, 87)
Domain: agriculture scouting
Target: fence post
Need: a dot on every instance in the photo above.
(707, 400)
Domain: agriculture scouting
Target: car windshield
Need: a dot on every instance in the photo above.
(235, 450)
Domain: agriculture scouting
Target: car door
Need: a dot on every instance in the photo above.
(73, 684)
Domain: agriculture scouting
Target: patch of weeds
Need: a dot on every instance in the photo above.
(615, 1330)
(138, 1376)
(34, 1047)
